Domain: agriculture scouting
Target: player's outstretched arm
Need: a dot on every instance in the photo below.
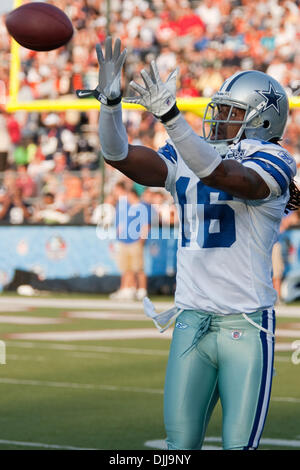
(231, 176)
(139, 163)
(143, 165)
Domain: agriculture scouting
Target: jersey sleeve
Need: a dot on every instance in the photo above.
(169, 155)
(276, 170)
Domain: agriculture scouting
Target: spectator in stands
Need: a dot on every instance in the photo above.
(72, 187)
(4, 142)
(211, 40)
(132, 226)
(13, 128)
(20, 154)
(91, 184)
(48, 212)
(25, 182)
(9, 181)
(14, 209)
(278, 269)
(38, 166)
(60, 162)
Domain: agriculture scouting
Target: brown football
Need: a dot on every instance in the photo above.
(39, 26)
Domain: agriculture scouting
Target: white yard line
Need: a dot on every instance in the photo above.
(107, 316)
(161, 444)
(22, 320)
(113, 388)
(281, 333)
(92, 335)
(282, 347)
(287, 399)
(77, 303)
(18, 357)
(12, 308)
(287, 311)
(41, 445)
(87, 355)
(76, 386)
(78, 348)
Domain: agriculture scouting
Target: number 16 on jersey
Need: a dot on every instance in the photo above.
(213, 224)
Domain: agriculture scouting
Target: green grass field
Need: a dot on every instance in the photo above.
(104, 390)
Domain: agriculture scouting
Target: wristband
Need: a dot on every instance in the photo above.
(107, 101)
(99, 96)
(173, 112)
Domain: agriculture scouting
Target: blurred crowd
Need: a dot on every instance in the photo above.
(51, 170)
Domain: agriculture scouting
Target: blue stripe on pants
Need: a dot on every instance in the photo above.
(268, 322)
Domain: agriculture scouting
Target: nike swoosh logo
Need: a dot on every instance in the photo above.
(82, 93)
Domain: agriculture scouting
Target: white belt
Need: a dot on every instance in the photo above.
(258, 326)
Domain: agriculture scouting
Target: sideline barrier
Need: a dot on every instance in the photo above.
(75, 252)
(76, 258)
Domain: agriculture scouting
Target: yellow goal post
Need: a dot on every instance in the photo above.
(194, 105)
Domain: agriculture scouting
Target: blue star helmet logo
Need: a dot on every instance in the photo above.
(272, 98)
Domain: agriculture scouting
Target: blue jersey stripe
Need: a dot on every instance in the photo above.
(168, 152)
(272, 171)
(277, 161)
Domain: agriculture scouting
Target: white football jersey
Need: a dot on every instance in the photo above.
(224, 258)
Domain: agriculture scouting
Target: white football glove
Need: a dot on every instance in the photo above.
(157, 97)
(108, 90)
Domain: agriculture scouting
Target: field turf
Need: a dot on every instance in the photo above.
(107, 393)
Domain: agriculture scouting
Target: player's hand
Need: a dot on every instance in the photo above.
(108, 90)
(157, 97)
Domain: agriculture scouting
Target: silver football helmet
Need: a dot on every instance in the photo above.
(265, 103)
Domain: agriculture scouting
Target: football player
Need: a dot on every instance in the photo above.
(232, 188)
